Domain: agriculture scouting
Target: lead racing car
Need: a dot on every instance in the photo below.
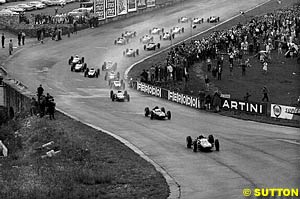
(130, 52)
(202, 143)
(109, 65)
(183, 20)
(151, 46)
(165, 36)
(157, 113)
(75, 60)
(197, 20)
(213, 19)
(79, 66)
(120, 96)
(156, 31)
(111, 76)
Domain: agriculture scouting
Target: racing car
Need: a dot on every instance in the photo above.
(75, 60)
(109, 65)
(151, 46)
(197, 20)
(157, 113)
(79, 66)
(155, 31)
(111, 76)
(117, 84)
(130, 52)
(146, 39)
(213, 19)
(120, 96)
(92, 72)
(165, 36)
(121, 41)
(183, 20)
(129, 34)
(177, 30)
(202, 143)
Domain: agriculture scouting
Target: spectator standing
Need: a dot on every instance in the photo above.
(265, 94)
(208, 64)
(3, 40)
(220, 73)
(10, 47)
(51, 109)
(206, 80)
(19, 38)
(56, 10)
(40, 91)
(202, 99)
(265, 67)
(231, 69)
(246, 97)
(23, 38)
(208, 101)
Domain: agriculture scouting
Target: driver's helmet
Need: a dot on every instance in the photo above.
(76, 56)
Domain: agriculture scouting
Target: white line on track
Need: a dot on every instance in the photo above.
(101, 47)
(289, 141)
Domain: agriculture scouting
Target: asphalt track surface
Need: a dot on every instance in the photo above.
(252, 154)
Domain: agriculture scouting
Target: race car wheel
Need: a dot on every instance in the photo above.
(189, 142)
(158, 45)
(152, 116)
(217, 145)
(111, 94)
(195, 146)
(84, 66)
(144, 47)
(147, 111)
(115, 42)
(160, 37)
(182, 30)
(82, 59)
(163, 109)
(113, 98)
(126, 50)
(162, 30)
(137, 51)
(128, 98)
(211, 139)
(98, 72)
(118, 75)
(125, 93)
(70, 60)
(169, 115)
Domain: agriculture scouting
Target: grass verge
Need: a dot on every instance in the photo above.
(91, 164)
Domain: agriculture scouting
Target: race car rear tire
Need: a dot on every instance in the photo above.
(128, 98)
(125, 93)
(195, 146)
(169, 115)
(147, 111)
(113, 98)
(158, 45)
(211, 139)
(217, 145)
(144, 47)
(152, 116)
(189, 142)
(163, 109)
(111, 94)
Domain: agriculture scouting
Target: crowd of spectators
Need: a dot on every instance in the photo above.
(243, 42)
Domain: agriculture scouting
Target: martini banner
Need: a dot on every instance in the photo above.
(132, 6)
(111, 8)
(122, 7)
(150, 3)
(100, 9)
(141, 4)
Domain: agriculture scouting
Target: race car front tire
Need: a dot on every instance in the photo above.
(169, 115)
(195, 146)
(189, 142)
(217, 145)
(163, 109)
(111, 94)
(147, 111)
(128, 98)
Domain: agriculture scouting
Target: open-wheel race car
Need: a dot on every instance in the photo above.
(156, 31)
(151, 46)
(121, 41)
(146, 39)
(75, 60)
(117, 84)
(213, 19)
(202, 143)
(183, 20)
(78, 66)
(177, 30)
(109, 65)
(130, 52)
(111, 76)
(129, 34)
(120, 96)
(198, 20)
(91, 72)
(165, 36)
(157, 113)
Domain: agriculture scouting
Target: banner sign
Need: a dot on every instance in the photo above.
(151, 90)
(122, 7)
(100, 9)
(132, 5)
(141, 4)
(150, 3)
(183, 99)
(111, 10)
(285, 112)
(248, 107)
(225, 96)
(1, 95)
